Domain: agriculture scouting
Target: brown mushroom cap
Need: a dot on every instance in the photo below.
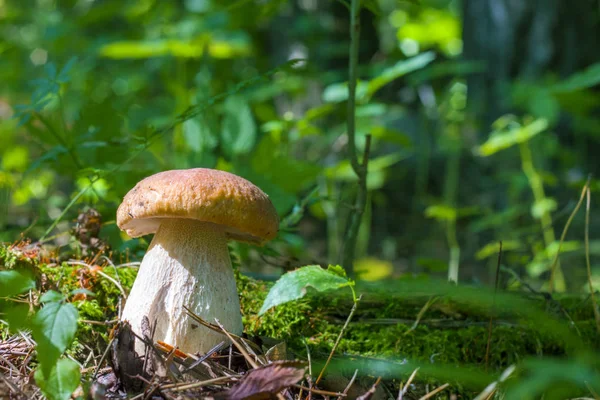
(202, 194)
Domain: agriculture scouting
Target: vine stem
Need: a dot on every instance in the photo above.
(360, 169)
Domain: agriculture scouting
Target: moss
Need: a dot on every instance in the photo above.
(288, 321)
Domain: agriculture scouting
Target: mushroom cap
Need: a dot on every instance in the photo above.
(206, 195)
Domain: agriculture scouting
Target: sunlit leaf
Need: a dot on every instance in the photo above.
(398, 70)
(176, 48)
(492, 249)
(344, 172)
(198, 135)
(500, 140)
(543, 207)
(238, 133)
(338, 92)
(441, 212)
(51, 295)
(294, 285)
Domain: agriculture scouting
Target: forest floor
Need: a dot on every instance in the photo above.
(386, 341)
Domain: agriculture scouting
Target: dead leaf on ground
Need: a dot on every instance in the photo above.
(265, 382)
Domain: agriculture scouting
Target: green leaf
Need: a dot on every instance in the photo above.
(294, 285)
(581, 80)
(54, 329)
(13, 282)
(63, 76)
(338, 92)
(238, 133)
(543, 207)
(398, 70)
(51, 296)
(198, 135)
(51, 155)
(492, 248)
(59, 382)
(50, 70)
(441, 212)
(503, 139)
(17, 315)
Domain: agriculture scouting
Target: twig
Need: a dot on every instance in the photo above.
(241, 348)
(104, 323)
(421, 313)
(177, 387)
(496, 282)
(322, 392)
(491, 388)
(13, 387)
(434, 392)
(349, 385)
(407, 385)
(587, 257)
(205, 357)
(564, 233)
(339, 338)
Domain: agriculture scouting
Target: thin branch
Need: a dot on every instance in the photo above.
(348, 386)
(339, 338)
(434, 392)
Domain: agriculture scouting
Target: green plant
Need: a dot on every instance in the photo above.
(53, 327)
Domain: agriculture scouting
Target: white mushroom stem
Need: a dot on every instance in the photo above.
(187, 264)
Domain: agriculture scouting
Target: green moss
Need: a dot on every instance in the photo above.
(288, 321)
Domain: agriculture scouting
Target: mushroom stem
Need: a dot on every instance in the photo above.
(187, 264)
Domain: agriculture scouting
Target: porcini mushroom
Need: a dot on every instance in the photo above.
(192, 214)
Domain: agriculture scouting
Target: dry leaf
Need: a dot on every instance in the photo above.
(265, 382)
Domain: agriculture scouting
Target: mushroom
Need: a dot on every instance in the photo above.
(192, 214)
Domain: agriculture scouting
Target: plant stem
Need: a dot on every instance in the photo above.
(360, 169)
(537, 187)
(339, 338)
(564, 234)
(450, 194)
(587, 257)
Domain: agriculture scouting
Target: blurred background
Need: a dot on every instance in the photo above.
(484, 114)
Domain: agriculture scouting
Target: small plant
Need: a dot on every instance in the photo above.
(53, 327)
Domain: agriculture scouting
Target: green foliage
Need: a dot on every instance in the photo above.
(295, 284)
(54, 327)
(13, 282)
(60, 381)
(102, 94)
(508, 133)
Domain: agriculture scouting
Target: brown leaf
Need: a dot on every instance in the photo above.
(265, 382)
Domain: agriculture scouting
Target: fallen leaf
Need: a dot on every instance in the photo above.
(265, 382)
